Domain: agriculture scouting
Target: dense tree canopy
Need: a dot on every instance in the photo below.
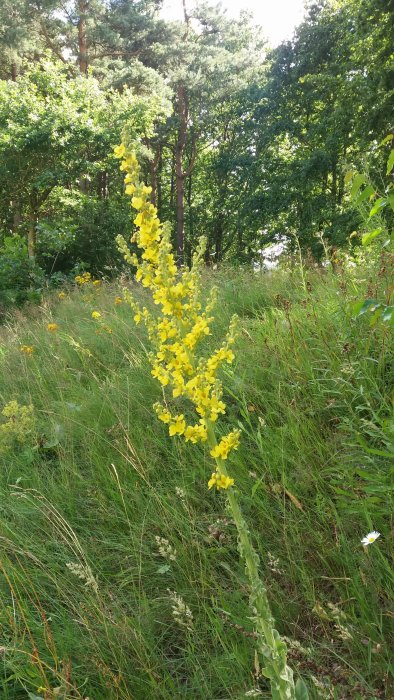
(254, 151)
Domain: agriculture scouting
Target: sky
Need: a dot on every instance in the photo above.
(278, 18)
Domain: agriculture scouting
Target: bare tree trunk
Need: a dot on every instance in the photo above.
(182, 109)
(14, 71)
(153, 168)
(172, 189)
(32, 229)
(83, 58)
(16, 217)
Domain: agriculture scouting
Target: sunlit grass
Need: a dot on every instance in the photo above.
(85, 601)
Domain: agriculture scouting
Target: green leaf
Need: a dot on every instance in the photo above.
(367, 192)
(388, 314)
(369, 237)
(368, 305)
(348, 176)
(379, 204)
(386, 139)
(390, 162)
(373, 450)
(357, 182)
(163, 569)
(301, 691)
(256, 486)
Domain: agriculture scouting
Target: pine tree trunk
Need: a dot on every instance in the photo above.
(182, 111)
(83, 7)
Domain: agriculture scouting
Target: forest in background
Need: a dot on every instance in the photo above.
(250, 147)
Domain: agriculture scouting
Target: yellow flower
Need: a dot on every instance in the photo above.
(119, 151)
(228, 442)
(62, 295)
(164, 416)
(220, 481)
(97, 283)
(137, 317)
(196, 433)
(178, 425)
(137, 202)
(96, 314)
(52, 327)
(27, 349)
(83, 279)
(118, 300)
(159, 373)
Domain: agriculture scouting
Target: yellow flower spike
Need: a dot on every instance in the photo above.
(182, 317)
(96, 314)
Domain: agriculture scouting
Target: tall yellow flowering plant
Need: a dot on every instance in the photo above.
(176, 333)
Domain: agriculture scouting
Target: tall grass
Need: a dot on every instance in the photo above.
(87, 604)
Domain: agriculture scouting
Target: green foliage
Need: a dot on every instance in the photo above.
(376, 210)
(20, 278)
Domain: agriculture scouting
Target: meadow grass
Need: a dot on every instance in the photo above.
(88, 604)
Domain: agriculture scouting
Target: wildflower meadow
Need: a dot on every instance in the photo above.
(196, 350)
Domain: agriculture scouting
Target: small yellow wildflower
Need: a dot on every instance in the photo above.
(52, 327)
(118, 300)
(137, 317)
(96, 314)
(62, 295)
(220, 481)
(27, 349)
(178, 425)
(83, 279)
(97, 283)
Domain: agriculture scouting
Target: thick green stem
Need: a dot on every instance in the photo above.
(271, 646)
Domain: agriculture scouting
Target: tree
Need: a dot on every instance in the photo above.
(56, 129)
